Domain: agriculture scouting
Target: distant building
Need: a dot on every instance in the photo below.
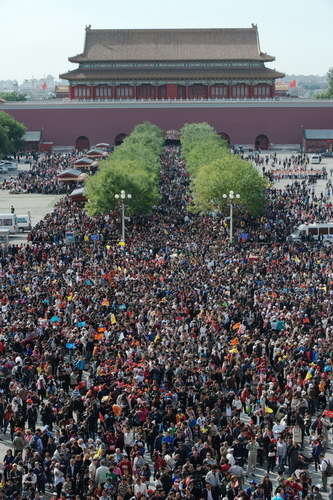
(32, 141)
(61, 91)
(318, 140)
(172, 64)
(281, 89)
(38, 88)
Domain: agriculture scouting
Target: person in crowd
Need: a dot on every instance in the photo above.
(173, 367)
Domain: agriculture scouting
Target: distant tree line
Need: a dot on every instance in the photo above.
(13, 96)
(11, 134)
(328, 93)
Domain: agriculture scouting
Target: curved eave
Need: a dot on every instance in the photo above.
(266, 57)
(189, 73)
(77, 59)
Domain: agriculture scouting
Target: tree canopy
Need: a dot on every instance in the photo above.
(201, 145)
(229, 173)
(11, 134)
(328, 93)
(134, 166)
(215, 172)
(13, 96)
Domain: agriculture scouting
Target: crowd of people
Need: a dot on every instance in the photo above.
(41, 177)
(175, 367)
(294, 167)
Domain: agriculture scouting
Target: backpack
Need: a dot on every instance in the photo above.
(33, 443)
(329, 469)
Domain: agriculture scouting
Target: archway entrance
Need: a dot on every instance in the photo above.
(262, 142)
(82, 143)
(225, 137)
(119, 139)
(172, 138)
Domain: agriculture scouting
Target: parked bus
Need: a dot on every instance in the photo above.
(322, 231)
(9, 222)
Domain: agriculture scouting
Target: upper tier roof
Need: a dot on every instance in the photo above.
(143, 74)
(171, 45)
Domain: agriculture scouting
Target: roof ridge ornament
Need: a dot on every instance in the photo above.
(88, 27)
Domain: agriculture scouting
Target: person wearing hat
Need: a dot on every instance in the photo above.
(230, 456)
(18, 443)
(251, 489)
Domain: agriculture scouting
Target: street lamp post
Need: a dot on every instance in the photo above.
(231, 196)
(122, 196)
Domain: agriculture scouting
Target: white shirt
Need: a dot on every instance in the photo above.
(129, 438)
(324, 464)
(142, 488)
(92, 470)
(277, 429)
(231, 459)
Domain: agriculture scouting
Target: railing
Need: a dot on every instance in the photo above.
(166, 101)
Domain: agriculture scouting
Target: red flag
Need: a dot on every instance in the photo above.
(101, 417)
(43, 87)
(292, 84)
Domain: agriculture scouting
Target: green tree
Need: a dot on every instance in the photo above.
(193, 134)
(201, 145)
(328, 93)
(13, 96)
(215, 172)
(224, 175)
(203, 154)
(141, 154)
(4, 140)
(11, 134)
(134, 166)
(111, 179)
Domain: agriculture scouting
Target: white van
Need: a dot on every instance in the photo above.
(322, 231)
(9, 222)
(24, 222)
(315, 159)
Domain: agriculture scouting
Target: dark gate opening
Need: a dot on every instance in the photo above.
(119, 139)
(82, 143)
(262, 142)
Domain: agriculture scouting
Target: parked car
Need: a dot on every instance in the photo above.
(315, 159)
(10, 165)
(3, 169)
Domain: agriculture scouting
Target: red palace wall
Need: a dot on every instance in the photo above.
(281, 122)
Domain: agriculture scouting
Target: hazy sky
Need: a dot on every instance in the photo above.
(37, 36)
